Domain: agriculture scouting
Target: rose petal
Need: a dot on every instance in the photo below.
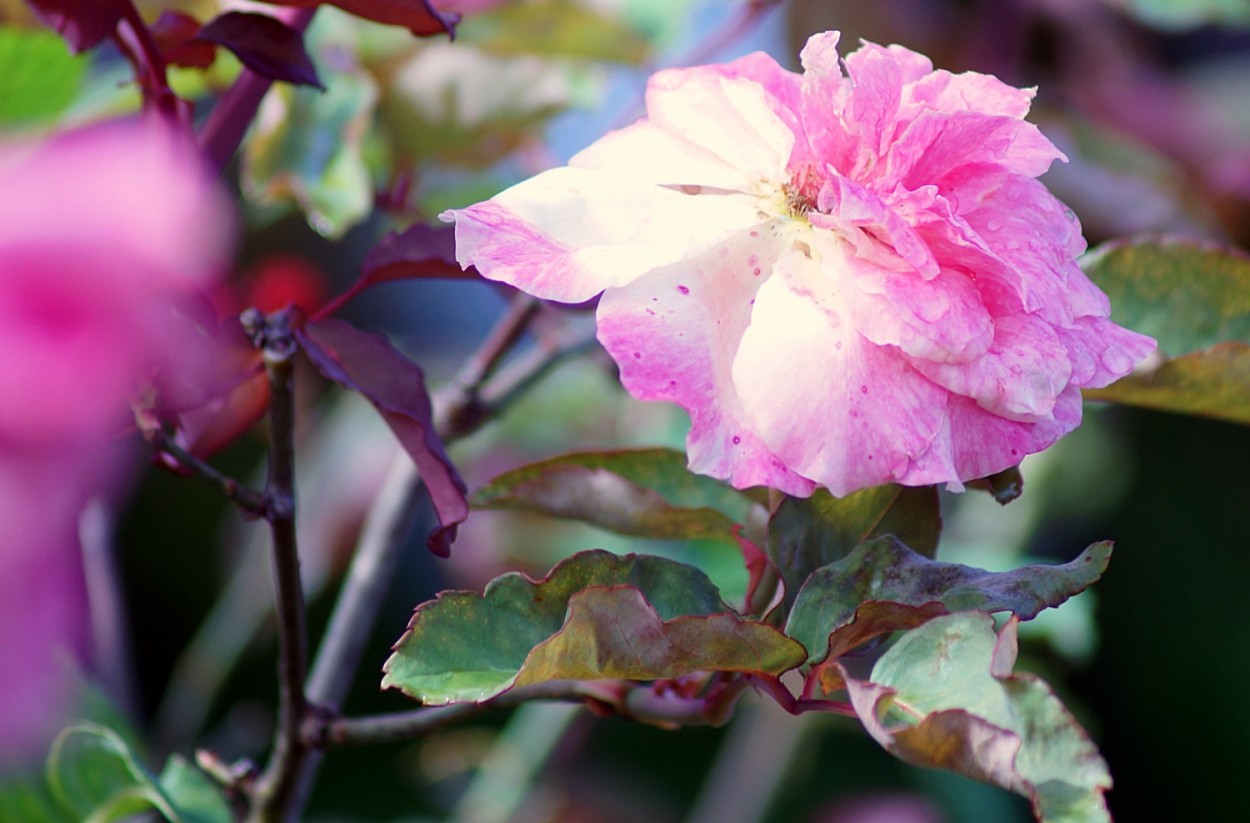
(674, 334)
(833, 406)
(568, 233)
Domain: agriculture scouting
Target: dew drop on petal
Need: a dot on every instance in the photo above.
(863, 390)
(737, 439)
(683, 290)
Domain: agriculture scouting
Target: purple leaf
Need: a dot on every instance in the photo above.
(265, 45)
(83, 23)
(420, 16)
(368, 363)
(417, 252)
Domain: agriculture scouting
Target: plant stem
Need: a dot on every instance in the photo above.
(136, 43)
(233, 114)
(251, 502)
(386, 728)
(271, 796)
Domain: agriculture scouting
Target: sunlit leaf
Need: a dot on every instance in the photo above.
(943, 696)
(265, 45)
(38, 76)
(307, 149)
(808, 533)
(421, 17)
(828, 606)
(643, 492)
(369, 364)
(1195, 300)
(596, 615)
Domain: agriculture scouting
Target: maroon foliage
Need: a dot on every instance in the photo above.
(419, 16)
(368, 363)
(83, 23)
(265, 45)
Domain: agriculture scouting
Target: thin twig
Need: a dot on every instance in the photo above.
(135, 42)
(111, 657)
(385, 728)
(272, 794)
(232, 115)
(250, 501)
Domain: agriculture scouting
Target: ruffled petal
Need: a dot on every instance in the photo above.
(674, 334)
(942, 319)
(1020, 377)
(1102, 352)
(568, 233)
(731, 117)
(831, 405)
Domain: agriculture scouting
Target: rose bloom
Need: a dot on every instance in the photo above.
(103, 233)
(845, 279)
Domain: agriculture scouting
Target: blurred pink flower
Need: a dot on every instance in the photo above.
(103, 232)
(845, 279)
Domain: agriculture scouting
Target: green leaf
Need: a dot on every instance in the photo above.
(944, 697)
(39, 78)
(94, 775)
(806, 534)
(555, 28)
(308, 148)
(1195, 300)
(1185, 294)
(831, 613)
(643, 493)
(595, 616)
(197, 799)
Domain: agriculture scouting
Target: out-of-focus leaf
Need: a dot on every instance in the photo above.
(83, 23)
(1183, 14)
(943, 697)
(175, 34)
(806, 534)
(307, 147)
(418, 251)
(418, 16)
(455, 104)
(1211, 383)
(197, 798)
(265, 45)
(26, 799)
(1185, 294)
(369, 364)
(38, 76)
(1195, 300)
(596, 615)
(884, 569)
(644, 492)
(94, 775)
(561, 28)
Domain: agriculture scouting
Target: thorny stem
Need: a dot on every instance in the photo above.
(233, 114)
(271, 797)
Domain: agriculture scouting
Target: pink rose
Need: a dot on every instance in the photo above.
(103, 232)
(845, 279)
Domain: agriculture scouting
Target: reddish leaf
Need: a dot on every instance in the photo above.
(265, 45)
(176, 35)
(419, 251)
(419, 16)
(83, 23)
(369, 364)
